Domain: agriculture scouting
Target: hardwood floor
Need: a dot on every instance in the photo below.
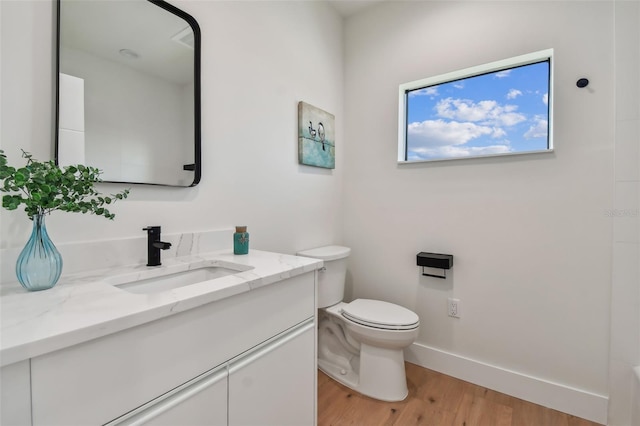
(434, 400)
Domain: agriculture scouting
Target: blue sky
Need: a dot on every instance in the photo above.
(500, 112)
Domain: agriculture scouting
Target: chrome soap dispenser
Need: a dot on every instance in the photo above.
(241, 240)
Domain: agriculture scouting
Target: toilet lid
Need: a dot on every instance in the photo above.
(327, 253)
(379, 314)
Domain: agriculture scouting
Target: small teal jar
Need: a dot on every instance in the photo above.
(241, 240)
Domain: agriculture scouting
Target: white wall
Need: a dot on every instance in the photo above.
(258, 60)
(530, 237)
(625, 290)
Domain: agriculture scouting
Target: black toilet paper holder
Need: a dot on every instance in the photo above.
(435, 260)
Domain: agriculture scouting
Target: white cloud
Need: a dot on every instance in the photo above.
(487, 112)
(498, 133)
(458, 85)
(513, 93)
(538, 129)
(509, 118)
(545, 99)
(438, 133)
(503, 74)
(427, 91)
(464, 109)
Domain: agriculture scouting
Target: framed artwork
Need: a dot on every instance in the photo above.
(316, 137)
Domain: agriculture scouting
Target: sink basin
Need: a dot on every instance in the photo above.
(169, 278)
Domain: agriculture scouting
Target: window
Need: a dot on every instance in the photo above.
(499, 108)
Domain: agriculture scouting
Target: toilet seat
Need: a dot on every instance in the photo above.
(379, 314)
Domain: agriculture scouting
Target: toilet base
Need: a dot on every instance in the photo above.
(378, 373)
(345, 376)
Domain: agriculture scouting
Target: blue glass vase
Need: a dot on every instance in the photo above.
(40, 264)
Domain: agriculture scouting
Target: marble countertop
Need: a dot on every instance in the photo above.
(84, 306)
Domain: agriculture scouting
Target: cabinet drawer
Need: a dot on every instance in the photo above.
(107, 377)
(275, 385)
(203, 401)
(15, 394)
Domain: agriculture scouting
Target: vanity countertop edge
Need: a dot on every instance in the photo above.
(82, 307)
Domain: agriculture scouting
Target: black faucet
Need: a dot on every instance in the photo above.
(154, 245)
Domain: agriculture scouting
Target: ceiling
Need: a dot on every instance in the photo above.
(348, 8)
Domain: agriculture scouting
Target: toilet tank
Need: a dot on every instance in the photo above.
(331, 279)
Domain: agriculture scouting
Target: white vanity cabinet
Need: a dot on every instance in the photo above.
(268, 385)
(271, 386)
(203, 401)
(247, 359)
(15, 398)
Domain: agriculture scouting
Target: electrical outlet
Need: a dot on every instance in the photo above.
(453, 307)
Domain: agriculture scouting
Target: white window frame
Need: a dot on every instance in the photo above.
(527, 59)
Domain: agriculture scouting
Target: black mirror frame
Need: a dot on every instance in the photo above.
(197, 167)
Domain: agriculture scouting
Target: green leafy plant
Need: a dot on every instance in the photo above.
(44, 187)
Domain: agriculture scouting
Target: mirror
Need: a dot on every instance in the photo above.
(128, 92)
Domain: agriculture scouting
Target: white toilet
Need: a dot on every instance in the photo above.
(360, 344)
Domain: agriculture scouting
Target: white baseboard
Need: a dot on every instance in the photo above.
(635, 414)
(559, 397)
